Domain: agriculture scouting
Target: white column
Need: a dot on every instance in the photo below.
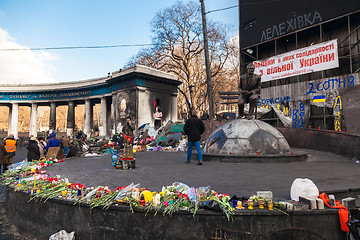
(103, 116)
(9, 120)
(173, 107)
(70, 119)
(15, 120)
(87, 118)
(33, 120)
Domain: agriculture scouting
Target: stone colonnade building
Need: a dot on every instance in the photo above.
(145, 94)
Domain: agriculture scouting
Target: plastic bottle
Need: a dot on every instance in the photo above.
(156, 199)
(114, 158)
(270, 205)
(239, 205)
(250, 204)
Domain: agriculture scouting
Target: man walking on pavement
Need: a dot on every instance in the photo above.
(193, 128)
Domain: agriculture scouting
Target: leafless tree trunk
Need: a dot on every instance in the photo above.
(178, 49)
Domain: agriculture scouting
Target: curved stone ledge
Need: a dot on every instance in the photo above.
(296, 156)
(342, 143)
(39, 220)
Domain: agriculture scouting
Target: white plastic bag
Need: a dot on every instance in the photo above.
(18, 165)
(63, 235)
(126, 190)
(303, 187)
(179, 186)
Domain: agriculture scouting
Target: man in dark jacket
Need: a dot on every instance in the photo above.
(3, 154)
(128, 128)
(33, 150)
(193, 128)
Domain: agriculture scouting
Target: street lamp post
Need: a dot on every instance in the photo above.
(239, 42)
(207, 62)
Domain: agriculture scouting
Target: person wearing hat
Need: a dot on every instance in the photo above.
(10, 146)
(33, 150)
(42, 146)
(52, 141)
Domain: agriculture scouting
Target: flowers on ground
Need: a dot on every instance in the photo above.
(171, 199)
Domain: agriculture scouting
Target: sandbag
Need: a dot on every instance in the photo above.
(303, 187)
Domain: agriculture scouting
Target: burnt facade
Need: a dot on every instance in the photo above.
(313, 99)
(130, 92)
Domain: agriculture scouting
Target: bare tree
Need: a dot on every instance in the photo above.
(178, 48)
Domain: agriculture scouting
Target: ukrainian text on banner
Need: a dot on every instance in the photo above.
(315, 58)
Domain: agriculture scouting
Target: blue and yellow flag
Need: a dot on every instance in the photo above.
(319, 99)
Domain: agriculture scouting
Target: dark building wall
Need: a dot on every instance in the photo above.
(326, 20)
(339, 89)
(351, 108)
(263, 21)
(335, 29)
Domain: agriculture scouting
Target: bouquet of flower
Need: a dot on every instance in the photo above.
(127, 145)
(171, 199)
(52, 188)
(223, 201)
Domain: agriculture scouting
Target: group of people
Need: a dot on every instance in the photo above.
(37, 148)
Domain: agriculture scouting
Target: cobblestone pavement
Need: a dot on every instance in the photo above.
(157, 169)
